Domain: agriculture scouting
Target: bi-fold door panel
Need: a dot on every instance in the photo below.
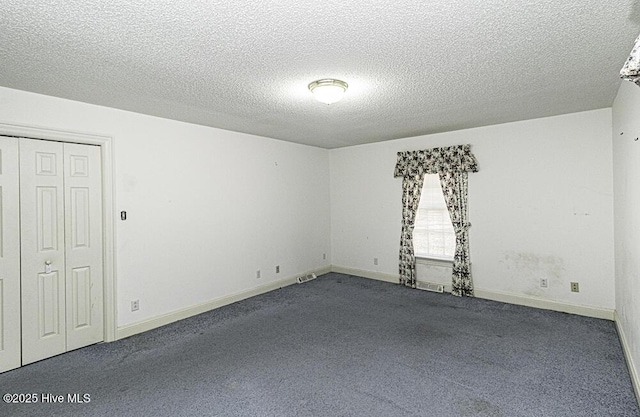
(42, 249)
(9, 256)
(83, 245)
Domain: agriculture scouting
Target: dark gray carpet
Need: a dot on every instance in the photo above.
(345, 346)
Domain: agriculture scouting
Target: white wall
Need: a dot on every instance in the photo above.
(626, 171)
(206, 207)
(541, 206)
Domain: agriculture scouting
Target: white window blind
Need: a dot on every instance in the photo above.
(433, 235)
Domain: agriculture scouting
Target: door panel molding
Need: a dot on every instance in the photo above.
(50, 317)
(47, 228)
(80, 218)
(80, 297)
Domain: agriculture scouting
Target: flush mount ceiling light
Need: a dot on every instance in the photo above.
(328, 90)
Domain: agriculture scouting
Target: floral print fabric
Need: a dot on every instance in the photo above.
(452, 163)
(455, 189)
(631, 69)
(411, 191)
(435, 160)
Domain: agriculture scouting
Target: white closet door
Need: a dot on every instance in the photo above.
(9, 256)
(42, 255)
(83, 245)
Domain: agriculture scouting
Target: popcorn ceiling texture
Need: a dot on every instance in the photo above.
(413, 67)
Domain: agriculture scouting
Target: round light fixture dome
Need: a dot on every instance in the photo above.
(328, 90)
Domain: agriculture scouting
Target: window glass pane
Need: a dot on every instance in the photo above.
(433, 234)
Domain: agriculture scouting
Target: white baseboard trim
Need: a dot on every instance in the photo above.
(633, 372)
(321, 271)
(152, 323)
(380, 276)
(581, 310)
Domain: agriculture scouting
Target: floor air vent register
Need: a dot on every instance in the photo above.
(429, 286)
(305, 278)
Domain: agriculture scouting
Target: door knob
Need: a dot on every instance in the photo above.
(47, 267)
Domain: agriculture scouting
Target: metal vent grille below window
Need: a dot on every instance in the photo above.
(429, 286)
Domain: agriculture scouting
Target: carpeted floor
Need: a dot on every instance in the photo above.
(344, 346)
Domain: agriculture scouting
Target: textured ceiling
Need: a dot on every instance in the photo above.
(413, 67)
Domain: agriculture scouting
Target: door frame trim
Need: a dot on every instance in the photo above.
(108, 202)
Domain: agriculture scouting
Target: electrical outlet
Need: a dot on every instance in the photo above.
(544, 283)
(135, 305)
(277, 269)
(575, 287)
(375, 261)
(258, 273)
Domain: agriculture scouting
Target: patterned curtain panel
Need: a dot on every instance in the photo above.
(631, 69)
(411, 191)
(454, 187)
(452, 163)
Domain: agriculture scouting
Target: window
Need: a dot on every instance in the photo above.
(433, 235)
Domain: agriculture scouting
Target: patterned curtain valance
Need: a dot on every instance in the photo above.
(631, 69)
(432, 161)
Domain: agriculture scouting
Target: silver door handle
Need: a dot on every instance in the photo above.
(47, 267)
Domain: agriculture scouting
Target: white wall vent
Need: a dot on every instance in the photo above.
(429, 286)
(305, 278)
